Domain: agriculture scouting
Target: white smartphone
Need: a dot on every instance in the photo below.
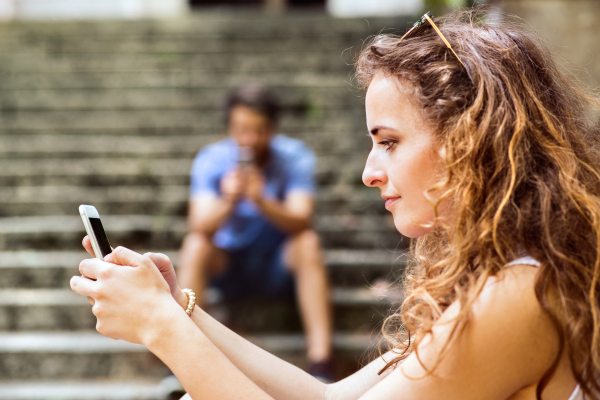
(245, 156)
(94, 229)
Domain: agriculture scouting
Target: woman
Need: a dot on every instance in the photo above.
(485, 150)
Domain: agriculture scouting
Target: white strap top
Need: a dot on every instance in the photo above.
(577, 394)
(528, 260)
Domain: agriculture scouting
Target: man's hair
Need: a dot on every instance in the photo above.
(521, 147)
(256, 97)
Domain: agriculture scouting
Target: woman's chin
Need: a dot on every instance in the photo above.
(409, 229)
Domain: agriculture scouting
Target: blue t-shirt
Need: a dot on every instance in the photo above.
(290, 168)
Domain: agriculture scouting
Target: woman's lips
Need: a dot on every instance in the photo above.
(389, 201)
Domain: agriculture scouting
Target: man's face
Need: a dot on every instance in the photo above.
(249, 128)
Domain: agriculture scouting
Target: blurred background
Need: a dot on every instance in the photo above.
(106, 103)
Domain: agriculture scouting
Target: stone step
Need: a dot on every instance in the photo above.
(324, 144)
(84, 390)
(31, 269)
(200, 100)
(161, 122)
(147, 166)
(331, 206)
(203, 26)
(160, 200)
(354, 309)
(327, 61)
(307, 41)
(141, 231)
(56, 356)
(346, 170)
(190, 79)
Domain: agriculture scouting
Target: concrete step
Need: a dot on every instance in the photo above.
(203, 26)
(150, 171)
(316, 61)
(181, 43)
(72, 355)
(160, 200)
(141, 231)
(30, 269)
(114, 166)
(200, 100)
(184, 43)
(84, 390)
(57, 356)
(331, 206)
(355, 309)
(161, 122)
(323, 143)
(175, 78)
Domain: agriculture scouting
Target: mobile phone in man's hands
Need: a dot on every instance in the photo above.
(245, 157)
(95, 231)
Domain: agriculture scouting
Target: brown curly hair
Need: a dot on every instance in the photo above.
(522, 153)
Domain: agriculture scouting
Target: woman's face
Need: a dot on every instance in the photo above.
(404, 161)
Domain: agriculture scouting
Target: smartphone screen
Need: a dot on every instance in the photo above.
(100, 236)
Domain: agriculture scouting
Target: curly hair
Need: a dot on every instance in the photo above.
(521, 146)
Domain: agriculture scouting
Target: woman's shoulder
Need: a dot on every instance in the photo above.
(510, 296)
(507, 320)
(508, 343)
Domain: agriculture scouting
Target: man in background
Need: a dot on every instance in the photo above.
(251, 205)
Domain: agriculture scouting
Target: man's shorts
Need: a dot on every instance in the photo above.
(258, 270)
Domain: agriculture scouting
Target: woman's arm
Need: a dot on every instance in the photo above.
(277, 377)
(134, 303)
(119, 292)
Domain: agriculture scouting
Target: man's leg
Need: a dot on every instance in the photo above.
(198, 261)
(304, 257)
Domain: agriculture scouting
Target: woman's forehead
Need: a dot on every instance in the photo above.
(390, 99)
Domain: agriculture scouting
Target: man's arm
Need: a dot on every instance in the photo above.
(292, 215)
(208, 211)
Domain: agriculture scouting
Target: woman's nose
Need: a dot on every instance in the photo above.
(373, 175)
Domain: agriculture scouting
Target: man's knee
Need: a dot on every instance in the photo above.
(308, 240)
(305, 250)
(198, 242)
(199, 246)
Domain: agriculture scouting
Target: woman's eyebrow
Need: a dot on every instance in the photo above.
(376, 129)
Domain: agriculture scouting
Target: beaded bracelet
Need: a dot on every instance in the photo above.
(191, 300)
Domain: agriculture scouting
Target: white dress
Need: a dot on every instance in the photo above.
(577, 394)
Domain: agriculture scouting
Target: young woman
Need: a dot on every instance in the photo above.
(486, 151)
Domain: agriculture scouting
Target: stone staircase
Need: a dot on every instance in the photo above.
(111, 114)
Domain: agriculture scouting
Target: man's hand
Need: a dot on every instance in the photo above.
(255, 184)
(232, 186)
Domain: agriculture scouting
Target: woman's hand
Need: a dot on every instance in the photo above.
(164, 265)
(132, 301)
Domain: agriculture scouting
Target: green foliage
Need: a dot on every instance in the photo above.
(440, 7)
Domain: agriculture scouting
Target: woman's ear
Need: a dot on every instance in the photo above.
(442, 152)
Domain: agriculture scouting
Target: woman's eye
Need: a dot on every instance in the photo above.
(387, 143)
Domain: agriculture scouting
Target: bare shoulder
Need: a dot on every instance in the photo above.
(508, 343)
(509, 304)
(515, 284)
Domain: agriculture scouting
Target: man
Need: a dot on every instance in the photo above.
(251, 204)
